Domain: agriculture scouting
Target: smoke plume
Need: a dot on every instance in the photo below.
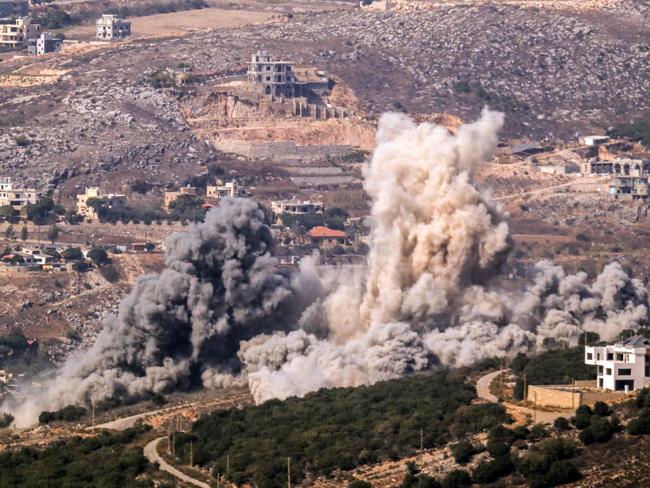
(220, 313)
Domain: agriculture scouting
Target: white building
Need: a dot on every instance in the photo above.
(111, 27)
(221, 190)
(279, 207)
(44, 44)
(593, 140)
(16, 197)
(624, 366)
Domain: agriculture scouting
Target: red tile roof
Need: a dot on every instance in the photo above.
(325, 232)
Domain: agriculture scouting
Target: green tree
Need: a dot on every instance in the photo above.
(7, 211)
(72, 253)
(98, 256)
(10, 233)
(53, 233)
(24, 233)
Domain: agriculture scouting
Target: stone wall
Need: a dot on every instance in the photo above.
(571, 396)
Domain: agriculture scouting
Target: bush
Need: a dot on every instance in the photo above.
(489, 471)
(21, 141)
(70, 413)
(600, 430)
(98, 256)
(498, 449)
(110, 273)
(643, 398)
(561, 424)
(359, 484)
(463, 452)
(537, 431)
(602, 409)
(499, 433)
(456, 479)
(640, 425)
(6, 420)
(561, 473)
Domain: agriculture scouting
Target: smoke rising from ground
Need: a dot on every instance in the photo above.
(220, 313)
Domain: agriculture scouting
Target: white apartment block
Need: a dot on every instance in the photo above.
(221, 190)
(111, 27)
(16, 197)
(624, 366)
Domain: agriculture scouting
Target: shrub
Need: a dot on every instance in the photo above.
(498, 449)
(561, 424)
(98, 256)
(489, 471)
(67, 414)
(561, 473)
(537, 431)
(643, 398)
(640, 425)
(456, 479)
(110, 273)
(5, 420)
(463, 452)
(499, 433)
(600, 430)
(602, 409)
(21, 141)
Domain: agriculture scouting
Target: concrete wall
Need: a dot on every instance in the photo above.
(571, 397)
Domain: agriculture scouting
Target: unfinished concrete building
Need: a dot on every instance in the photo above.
(15, 197)
(620, 166)
(44, 44)
(112, 28)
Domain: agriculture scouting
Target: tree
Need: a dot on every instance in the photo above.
(7, 211)
(463, 452)
(72, 253)
(98, 256)
(24, 233)
(10, 233)
(53, 233)
(561, 424)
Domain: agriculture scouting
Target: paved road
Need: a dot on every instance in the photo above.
(128, 422)
(151, 453)
(483, 386)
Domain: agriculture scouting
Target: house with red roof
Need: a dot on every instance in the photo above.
(326, 237)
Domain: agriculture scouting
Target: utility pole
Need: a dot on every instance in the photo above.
(227, 464)
(169, 437)
(191, 455)
(525, 387)
(93, 410)
(288, 472)
(218, 480)
(421, 439)
(534, 407)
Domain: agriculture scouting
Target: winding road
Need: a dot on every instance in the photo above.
(151, 453)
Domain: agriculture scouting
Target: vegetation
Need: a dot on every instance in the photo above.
(6, 419)
(98, 256)
(53, 233)
(104, 461)
(638, 131)
(559, 366)
(338, 428)
(45, 211)
(19, 354)
(72, 254)
(70, 413)
(463, 452)
(21, 141)
(546, 464)
(416, 479)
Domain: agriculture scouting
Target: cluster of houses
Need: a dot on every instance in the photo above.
(18, 31)
(37, 258)
(213, 193)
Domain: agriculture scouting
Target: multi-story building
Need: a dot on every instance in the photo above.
(14, 8)
(274, 78)
(44, 44)
(106, 200)
(624, 366)
(15, 197)
(14, 33)
(629, 187)
(296, 207)
(111, 28)
(172, 196)
(221, 190)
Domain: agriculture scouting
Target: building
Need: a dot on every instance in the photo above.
(593, 140)
(107, 200)
(172, 196)
(16, 197)
(44, 44)
(629, 187)
(112, 28)
(14, 8)
(618, 166)
(274, 78)
(279, 207)
(281, 79)
(14, 33)
(221, 190)
(326, 237)
(624, 366)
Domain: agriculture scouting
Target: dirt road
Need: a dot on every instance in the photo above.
(151, 453)
(483, 386)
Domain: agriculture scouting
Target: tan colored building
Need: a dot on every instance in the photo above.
(14, 33)
(111, 28)
(109, 200)
(172, 196)
(221, 190)
(326, 237)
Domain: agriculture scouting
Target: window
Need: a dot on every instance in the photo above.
(610, 356)
(590, 356)
(625, 371)
(647, 371)
(608, 371)
(597, 356)
(600, 382)
(619, 356)
(600, 370)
